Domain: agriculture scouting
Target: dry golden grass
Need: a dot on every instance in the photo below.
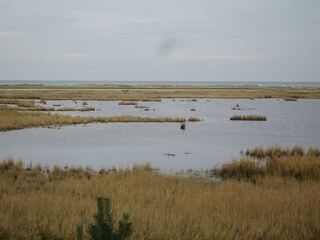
(10, 120)
(37, 205)
(156, 93)
(248, 118)
(274, 161)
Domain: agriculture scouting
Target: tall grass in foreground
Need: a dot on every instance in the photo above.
(10, 120)
(38, 203)
(274, 161)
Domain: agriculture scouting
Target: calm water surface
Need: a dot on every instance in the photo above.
(202, 145)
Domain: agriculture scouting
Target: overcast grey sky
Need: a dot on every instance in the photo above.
(180, 40)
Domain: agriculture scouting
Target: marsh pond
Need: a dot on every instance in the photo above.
(202, 145)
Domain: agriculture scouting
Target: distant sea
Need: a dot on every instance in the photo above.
(195, 83)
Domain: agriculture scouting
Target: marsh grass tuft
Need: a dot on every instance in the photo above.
(249, 118)
(290, 99)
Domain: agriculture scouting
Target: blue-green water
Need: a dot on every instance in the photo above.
(196, 83)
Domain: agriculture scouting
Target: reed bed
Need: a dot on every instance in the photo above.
(248, 118)
(274, 161)
(42, 203)
(10, 120)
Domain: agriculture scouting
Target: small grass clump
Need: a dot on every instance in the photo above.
(127, 103)
(141, 106)
(194, 119)
(290, 99)
(248, 118)
(86, 109)
(71, 109)
(274, 161)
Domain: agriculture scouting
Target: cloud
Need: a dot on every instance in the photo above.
(70, 55)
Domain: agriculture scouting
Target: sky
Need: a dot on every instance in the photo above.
(160, 40)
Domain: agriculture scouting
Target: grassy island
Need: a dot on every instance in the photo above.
(11, 120)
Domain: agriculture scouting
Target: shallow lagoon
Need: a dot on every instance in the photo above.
(201, 146)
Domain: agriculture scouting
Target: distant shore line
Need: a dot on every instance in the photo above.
(161, 83)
